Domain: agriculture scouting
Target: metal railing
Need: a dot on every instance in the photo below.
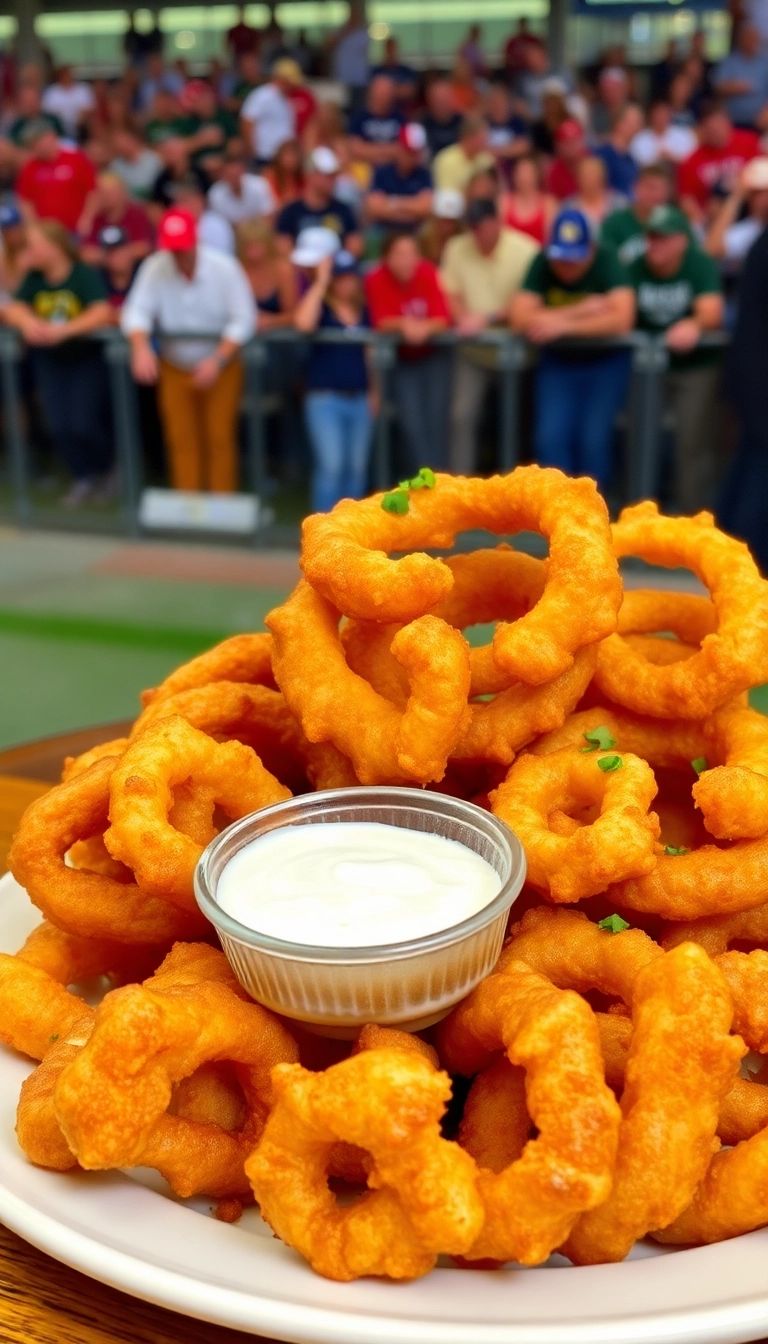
(650, 360)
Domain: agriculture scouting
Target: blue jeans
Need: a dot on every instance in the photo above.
(421, 391)
(576, 405)
(339, 429)
(73, 389)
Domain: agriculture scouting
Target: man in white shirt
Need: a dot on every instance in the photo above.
(68, 99)
(238, 194)
(660, 141)
(268, 117)
(188, 288)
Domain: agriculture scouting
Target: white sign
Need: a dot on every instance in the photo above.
(198, 511)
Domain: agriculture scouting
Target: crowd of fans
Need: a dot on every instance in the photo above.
(191, 210)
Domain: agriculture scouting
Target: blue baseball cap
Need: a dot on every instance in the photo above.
(345, 264)
(571, 238)
(10, 215)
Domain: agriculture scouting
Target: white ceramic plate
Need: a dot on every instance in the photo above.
(124, 1232)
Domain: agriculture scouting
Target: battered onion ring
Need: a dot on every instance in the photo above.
(240, 658)
(717, 933)
(424, 1197)
(495, 1124)
(112, 1099)
(141, 835)
(649, 611)
(78, 901)
(707, 881)
(618, 844)
(344, 558)
(335, 705)
(76, 765)
(732, 793)
(574, 953)
(488, 585)
(731, 659)
(532, 1205)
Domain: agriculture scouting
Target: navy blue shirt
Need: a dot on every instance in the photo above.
(335, 215)
(621, 169)
(337, 368)
(387, 179)
(375, 129)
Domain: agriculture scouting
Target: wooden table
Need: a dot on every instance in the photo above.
(42, 1301)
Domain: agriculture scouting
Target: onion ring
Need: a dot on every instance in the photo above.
(618, 844)
(239, 658)
(344, 557)
(424, 1198)
(717, 933)
(731, 659)
(495, 1124)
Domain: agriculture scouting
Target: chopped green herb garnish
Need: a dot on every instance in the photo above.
(613, 924)
(54, 1037)
(700, 765)
(599, 739)
(426, 479)
(675, 850)
(396, 501)
(608, 763)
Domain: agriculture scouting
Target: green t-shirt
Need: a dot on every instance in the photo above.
(623, 231)
(156, 131)
(61, 302)
(662, 301)
(223, 121)
(604, 273)
(19, 126)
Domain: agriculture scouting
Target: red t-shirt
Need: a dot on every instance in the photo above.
(708, 168)
(135, 221)
(560, 180)
(57, 189)
(304, 105)
(422, 297)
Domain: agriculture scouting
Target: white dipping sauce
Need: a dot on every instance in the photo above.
(354, 884)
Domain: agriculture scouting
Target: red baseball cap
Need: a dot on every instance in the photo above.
(413, 136)
(177, 231)
(569, 130)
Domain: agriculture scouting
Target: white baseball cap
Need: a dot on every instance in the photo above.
(447, 204)
(323, 160)
(313, 244)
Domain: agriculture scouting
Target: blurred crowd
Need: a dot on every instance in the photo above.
(296, 187)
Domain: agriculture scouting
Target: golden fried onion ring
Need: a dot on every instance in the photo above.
(239, 658)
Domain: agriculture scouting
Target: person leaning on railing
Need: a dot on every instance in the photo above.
(188, 288)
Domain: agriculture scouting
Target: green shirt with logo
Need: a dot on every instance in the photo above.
(664, 300)
(61, 302)
(623, 231)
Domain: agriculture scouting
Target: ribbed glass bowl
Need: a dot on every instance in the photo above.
(335, 991)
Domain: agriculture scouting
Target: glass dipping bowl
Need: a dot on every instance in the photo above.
(334, 991)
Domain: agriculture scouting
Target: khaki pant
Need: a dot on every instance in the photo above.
(200, 428)
(692, 396)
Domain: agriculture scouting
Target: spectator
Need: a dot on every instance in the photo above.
(717, 162)
(401, 191)
(517, 46)
(188, 287)
(375, 128)
(248, 77)
(441, 121)
(481, 272)
(110, 204)
(508, 135)
(482, 185)
(404, 296)
(742, 81)
(54, 182)
(612, 98)
(268, 115)
(680, 95)
(525, 206)
(576, 288)
(241, 37)
(211, 126)
(663, 71)
(554, 111)
(29, 110)
(301, 98)
(118, 265)
(69, 100)
(624, 230)
(271, 277)
(166, 120)
(318, 206)
(595, 198)
(338, 404)
(743, 505)
(59, 301)
(678, 295)
(444, 223)
(177, 167)
(238, 194)
(560, 178)
(13, 260)
(661, 141)
(403, 76)
(135, 163)
(471, 51)
(537, 79)
(158, 79)
(465, 91)
(285, 174)
(731, 237)
(620, 166)
(213, 230)
(455, 165)
(349, 55)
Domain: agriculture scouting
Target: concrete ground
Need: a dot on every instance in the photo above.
(87, 622)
